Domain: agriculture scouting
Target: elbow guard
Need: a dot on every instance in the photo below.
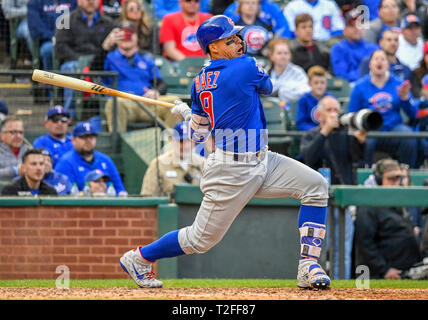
(200, 128)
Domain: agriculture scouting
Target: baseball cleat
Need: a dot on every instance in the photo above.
(310, 275)
(139, 269)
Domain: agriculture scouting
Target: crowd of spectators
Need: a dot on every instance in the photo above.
(379, 48)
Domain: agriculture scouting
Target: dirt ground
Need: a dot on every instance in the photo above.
(213, 293)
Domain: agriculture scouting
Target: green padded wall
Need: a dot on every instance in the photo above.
(416, 176)
(138, 150)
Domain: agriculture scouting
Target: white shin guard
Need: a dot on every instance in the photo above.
(311, 239)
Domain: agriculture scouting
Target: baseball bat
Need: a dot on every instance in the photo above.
(59, 80)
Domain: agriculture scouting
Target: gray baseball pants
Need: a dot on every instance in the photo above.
(228, 185)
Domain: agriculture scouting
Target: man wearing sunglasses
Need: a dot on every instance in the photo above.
(56, 141)
(84, 158)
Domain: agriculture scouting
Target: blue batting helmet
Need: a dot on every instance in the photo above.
(215, 28)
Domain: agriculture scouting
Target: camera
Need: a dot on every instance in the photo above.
(365, 120)
(127, 34)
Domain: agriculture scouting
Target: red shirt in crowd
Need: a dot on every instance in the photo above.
(182, 32)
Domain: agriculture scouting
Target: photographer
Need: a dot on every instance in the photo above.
(330, 147)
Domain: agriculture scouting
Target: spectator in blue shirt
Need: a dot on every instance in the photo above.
(346, 55)
(307, 116)
(372, 6)
(389, 43)
(42, 16)
(163, 7)
(57, 141)
(84, 158)
(383, 92)
(268, 10)
(137, 74)
(59, 181)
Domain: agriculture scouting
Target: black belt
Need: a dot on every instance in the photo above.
(243, 157)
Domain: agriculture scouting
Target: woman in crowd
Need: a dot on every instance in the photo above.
(289, 81)
(383, 92)
(134, 11)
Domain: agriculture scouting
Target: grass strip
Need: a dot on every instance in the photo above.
(213, 283)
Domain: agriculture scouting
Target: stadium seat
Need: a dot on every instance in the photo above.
(165, 67)
(274, 113)
(176, 81)
(191, 66)
(290, 116)
(275, 121)
(341, 89)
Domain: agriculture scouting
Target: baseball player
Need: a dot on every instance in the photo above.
(226, 104)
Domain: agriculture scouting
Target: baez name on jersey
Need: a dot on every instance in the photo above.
(206, 81)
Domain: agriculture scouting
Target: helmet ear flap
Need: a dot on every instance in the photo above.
(244, 43)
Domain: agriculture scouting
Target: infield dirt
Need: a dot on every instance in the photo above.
(121, 293)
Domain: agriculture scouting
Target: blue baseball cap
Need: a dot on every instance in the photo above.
(408, 20)
(84, 128)
(180, 131)
(3, 108)
(58, 109)
(95, 175)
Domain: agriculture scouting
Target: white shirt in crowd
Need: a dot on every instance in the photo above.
(325, 13)
(291, 84)
(409, 54)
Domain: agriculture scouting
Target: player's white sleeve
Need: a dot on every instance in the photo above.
(200, 128)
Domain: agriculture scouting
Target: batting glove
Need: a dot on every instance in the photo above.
(181, 109)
